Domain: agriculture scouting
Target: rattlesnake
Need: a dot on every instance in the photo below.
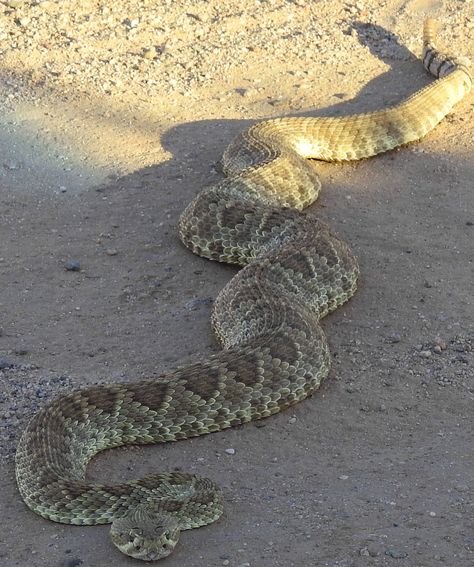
(295, 271)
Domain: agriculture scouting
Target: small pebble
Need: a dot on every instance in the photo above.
(21, 351)
(230, 451)
(149, 53)
(343, 477)
(72, 265)
(13, 3)
(5, 363)
(432, 514)
(193, 304)
(394, 338)
(12, 165)
(425, 353)
(292, 420)
(111, 252)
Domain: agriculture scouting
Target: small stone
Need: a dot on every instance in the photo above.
(149, 53)
(131, 23)
(343, 477)
(62, 188)
(394, 338)
(4, 363)
(72, 265)
(432, 514)
(439, 342)
(21, 351)
(230, 451)
(11, 165)
(437, 349)
(225, 562)
(111, 252)
(13, 3)
(364, 552)
(425, 353)
(193, 304)
(292, 419)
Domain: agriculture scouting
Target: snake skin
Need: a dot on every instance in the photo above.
(275, 354)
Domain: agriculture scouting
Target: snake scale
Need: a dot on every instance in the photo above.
(295, 271)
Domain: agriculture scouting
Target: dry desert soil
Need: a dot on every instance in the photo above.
(114, 115)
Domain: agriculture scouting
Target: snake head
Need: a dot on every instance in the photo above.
(145, 535)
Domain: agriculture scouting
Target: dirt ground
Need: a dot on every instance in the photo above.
(115, 115)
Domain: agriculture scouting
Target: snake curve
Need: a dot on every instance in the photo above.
(295, 270)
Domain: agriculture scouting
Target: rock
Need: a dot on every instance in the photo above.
(193, 304)
(149, 53)
(394, 338)
(230, 451)
(72, 265)
(11, 165)
(5, 363)
(13, 3)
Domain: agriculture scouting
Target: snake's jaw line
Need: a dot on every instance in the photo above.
(295, 271)
(148, 537)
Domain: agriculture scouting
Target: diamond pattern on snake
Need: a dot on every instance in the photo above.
(295, 270)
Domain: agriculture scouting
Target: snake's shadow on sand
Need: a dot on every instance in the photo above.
(192, 143)
(196, 147)
(382, 91)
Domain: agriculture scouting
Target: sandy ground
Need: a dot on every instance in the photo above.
(115, 116)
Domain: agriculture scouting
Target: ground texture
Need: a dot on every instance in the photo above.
(115, 115)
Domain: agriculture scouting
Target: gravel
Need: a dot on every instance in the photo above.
(158, 48)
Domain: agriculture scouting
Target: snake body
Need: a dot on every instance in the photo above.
(295, 271)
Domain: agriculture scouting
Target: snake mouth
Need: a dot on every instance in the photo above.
(149, 539)
(137, 547)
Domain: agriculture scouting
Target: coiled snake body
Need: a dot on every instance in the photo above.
(295, 271)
